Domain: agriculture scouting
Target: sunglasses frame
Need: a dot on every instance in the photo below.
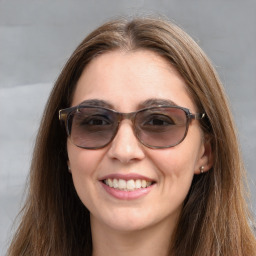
(65, 113)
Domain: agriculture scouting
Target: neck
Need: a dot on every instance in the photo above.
(150, 241)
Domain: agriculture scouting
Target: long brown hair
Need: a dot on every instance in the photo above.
(214, 221)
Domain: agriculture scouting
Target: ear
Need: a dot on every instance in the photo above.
(206, 156)
(68, 164)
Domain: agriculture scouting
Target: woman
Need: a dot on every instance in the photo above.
(144, 159)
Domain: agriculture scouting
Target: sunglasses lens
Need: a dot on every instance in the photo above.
(92, 127)
(161, 127)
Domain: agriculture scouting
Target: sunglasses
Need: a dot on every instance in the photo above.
(93, 127)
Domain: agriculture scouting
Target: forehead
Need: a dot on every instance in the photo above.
(125, 79)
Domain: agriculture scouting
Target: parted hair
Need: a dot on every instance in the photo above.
(215, 219)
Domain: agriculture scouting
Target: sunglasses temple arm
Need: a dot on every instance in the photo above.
(197, 116)
(62, 116)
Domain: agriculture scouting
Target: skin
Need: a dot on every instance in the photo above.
(143, 226)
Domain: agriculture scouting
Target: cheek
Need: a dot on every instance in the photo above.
(83, 162)
(175, 171)
(177, 165)
(174, 162)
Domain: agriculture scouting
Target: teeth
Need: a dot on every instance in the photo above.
(122, 184)
(115, 183)
(138, 183)
(143, 183)
(110, 182)
(128, 185)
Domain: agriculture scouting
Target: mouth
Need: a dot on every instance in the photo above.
(128, 185)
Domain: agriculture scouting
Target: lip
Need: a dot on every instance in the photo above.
(127, 195)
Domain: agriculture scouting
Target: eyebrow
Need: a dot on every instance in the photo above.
(147, 103)
(96, 103)
(157, 102)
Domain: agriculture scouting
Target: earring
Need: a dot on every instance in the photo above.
(69, 168)
(202, 169)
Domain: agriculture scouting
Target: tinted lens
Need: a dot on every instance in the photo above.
(161, 127)
(92, 127)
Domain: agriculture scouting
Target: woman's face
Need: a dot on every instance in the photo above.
(126, 80)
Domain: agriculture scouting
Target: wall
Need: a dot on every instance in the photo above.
(37, 37)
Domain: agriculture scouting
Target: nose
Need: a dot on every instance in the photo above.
(125, 147)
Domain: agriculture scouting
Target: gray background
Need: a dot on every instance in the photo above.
(37, 37)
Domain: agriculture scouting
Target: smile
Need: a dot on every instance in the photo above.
(127, 185)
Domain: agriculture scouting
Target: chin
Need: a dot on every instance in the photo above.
(128, 221)
(127, 226)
